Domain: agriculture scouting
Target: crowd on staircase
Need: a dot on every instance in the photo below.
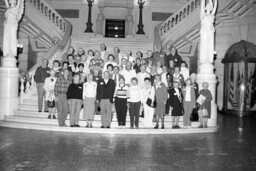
(150, 86)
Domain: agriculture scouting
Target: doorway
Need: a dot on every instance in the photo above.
(115, 28)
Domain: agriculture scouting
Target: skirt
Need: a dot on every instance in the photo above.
(160, 109)
(89, 108)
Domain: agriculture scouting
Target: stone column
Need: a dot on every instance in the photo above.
(9, 81)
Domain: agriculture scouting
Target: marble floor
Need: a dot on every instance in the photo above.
(232, 148)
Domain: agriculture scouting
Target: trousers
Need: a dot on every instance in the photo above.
(106, 108)
(75, 109)
(121, 110)
(148, 116)
(41, 96)
(134, 113)
(62, 108)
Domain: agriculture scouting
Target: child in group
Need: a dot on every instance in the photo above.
(49, 90)
(75, 96)
(89, 96)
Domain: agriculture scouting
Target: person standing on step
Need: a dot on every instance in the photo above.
(175, 103)
(60, 91)
(116, 75)
(189, 102)
(49, 93)
(134, 94)
(149, 103)
(41, 74)
(89, 96)
(75, 96)
(105, 94)
(121, 101)
(161, 98)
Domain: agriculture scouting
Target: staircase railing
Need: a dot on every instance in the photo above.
(55, 52)
(179, 16)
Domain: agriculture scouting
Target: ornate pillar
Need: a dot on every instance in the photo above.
(206, 57)
(89, 22)
(9, 73)
(140, 25)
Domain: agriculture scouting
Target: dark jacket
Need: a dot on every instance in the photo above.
(105, 91)
(41, 74)
(75, 91)
(176, 102)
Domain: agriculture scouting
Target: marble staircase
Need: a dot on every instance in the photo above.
(124, 44)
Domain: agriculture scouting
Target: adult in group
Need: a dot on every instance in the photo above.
(89, 96)
(134, 97)
(41, 74)
(71, 51)
(141, 76)
(116, 75)
(105, 94)
(60, 91)
(161, 98)
(148, 103)
(111, 60)
(128, 73)
(159, 55)
(121, 101)
(173, 56)
(103, 52)
(188, 102)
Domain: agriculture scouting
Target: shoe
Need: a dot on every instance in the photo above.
(162, 127)
(156, 127)
(177, 126)
(173, 127)
(131, 127)
(102, 127)
(91, 126)
(46, 111)
(77, 125)
(39, 111)
(49, 117)
(200, 126)
(54, 117)
(72, 125)
(108, 127)
(87, 126)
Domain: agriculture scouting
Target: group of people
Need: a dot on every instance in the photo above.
(149, 87)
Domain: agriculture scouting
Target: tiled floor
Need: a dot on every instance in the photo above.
(232, 148)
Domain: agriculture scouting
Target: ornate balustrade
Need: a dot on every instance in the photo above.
(49, 12)
(178, 17)
(55, 52)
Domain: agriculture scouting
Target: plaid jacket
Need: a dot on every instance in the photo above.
(61, 86)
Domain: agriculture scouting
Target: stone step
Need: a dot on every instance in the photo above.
(115, 131)
(97, 123)
(35, 114)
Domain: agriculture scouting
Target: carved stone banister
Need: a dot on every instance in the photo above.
(59, 29)
(180, 15)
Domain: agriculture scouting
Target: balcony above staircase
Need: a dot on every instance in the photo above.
(182, 29)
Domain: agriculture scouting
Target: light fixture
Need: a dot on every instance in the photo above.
(116, 28)
(116, 35)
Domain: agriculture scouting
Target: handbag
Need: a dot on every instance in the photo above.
(150, 102)
(202, 113)
(51, 101)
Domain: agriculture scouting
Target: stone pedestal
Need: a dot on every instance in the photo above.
(206, 74)
(9, 100)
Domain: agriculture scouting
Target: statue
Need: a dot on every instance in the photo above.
(207, 31)
(100, 21)
(130, 22)
(13, 15)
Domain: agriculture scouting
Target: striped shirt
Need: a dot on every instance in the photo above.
(121, 91)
